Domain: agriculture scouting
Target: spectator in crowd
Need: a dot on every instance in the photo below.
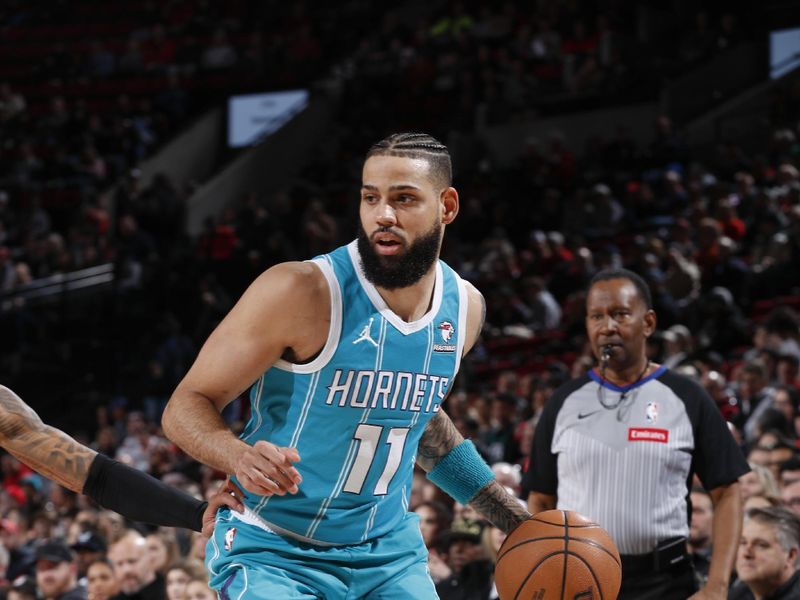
(22, 588)
(162, 548)
(499, 439)
(101, 580)
(754, 396)
(677, 346)
(509, 476)
(197, 589)
(21, 555)
(789, 471)
(790, 496)
(135, 573)
(759, 481)
(460, 545)
(545, 312)
(766, 561)
(89, 547)
(699, 540)
(786, 400)
(475, 581)
(179, 575)
(434, 519)
(56, 572)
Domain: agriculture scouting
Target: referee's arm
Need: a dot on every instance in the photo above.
(537, 502)
(726, 531)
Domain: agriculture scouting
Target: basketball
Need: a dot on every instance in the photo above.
(558, 554)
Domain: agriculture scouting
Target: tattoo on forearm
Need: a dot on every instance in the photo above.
(493, 501)
(440, 436)
(47, 450)
(499, 507)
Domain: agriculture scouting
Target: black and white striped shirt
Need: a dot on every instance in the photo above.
(630, 467)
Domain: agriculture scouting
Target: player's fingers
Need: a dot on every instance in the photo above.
(283, 457)
(257, 483)
(234, 490)
(283, 479)
(276, 463)
(227, 499)
(290, 453)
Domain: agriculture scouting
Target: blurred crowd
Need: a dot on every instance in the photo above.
(715, 236)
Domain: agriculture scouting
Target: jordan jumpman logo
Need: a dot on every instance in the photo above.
(365, 334)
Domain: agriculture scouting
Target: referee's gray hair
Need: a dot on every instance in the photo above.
(785, 522)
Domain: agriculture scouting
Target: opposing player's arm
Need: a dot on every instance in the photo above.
(45, 449)
(55, 455)
(283, 313)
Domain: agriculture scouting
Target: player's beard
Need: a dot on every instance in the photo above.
(404, 269)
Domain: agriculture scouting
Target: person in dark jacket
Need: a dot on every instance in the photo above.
(57, 572)
(766, 562)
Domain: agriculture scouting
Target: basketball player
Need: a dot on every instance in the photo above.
(352, 355)
(620, 445)
(131, 493)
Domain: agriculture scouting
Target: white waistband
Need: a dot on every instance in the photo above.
(252, 518)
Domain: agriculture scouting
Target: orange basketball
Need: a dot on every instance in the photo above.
(558, 554)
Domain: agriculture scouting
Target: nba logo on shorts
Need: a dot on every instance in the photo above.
(229, 535)
(651, 412)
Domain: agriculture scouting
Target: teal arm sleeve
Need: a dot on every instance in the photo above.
(462, 472)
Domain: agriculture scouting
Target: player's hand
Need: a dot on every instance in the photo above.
(229, 495)
(438, 567)
(266, 469)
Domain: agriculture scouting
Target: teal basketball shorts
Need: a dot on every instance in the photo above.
(245, 561)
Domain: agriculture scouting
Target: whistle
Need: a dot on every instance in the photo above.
(606, 352)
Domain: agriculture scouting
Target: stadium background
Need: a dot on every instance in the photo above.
(584, 135)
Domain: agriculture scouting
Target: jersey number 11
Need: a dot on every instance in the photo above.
(368, 437)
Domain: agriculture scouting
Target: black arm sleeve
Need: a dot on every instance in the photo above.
(140, 497)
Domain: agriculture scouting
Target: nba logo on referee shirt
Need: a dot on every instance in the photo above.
(651, 412)
(229, 535)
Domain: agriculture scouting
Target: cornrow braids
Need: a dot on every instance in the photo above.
(420, 146)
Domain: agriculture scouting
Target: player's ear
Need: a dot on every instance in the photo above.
(449, 205)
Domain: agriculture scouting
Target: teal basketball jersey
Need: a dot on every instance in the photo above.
(356, 412)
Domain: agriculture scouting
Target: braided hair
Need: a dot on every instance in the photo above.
(418, 145)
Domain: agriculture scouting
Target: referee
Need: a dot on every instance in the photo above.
(621, 444)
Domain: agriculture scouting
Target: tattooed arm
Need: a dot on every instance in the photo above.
(45, 449)
(493, 501)
(131, 493)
